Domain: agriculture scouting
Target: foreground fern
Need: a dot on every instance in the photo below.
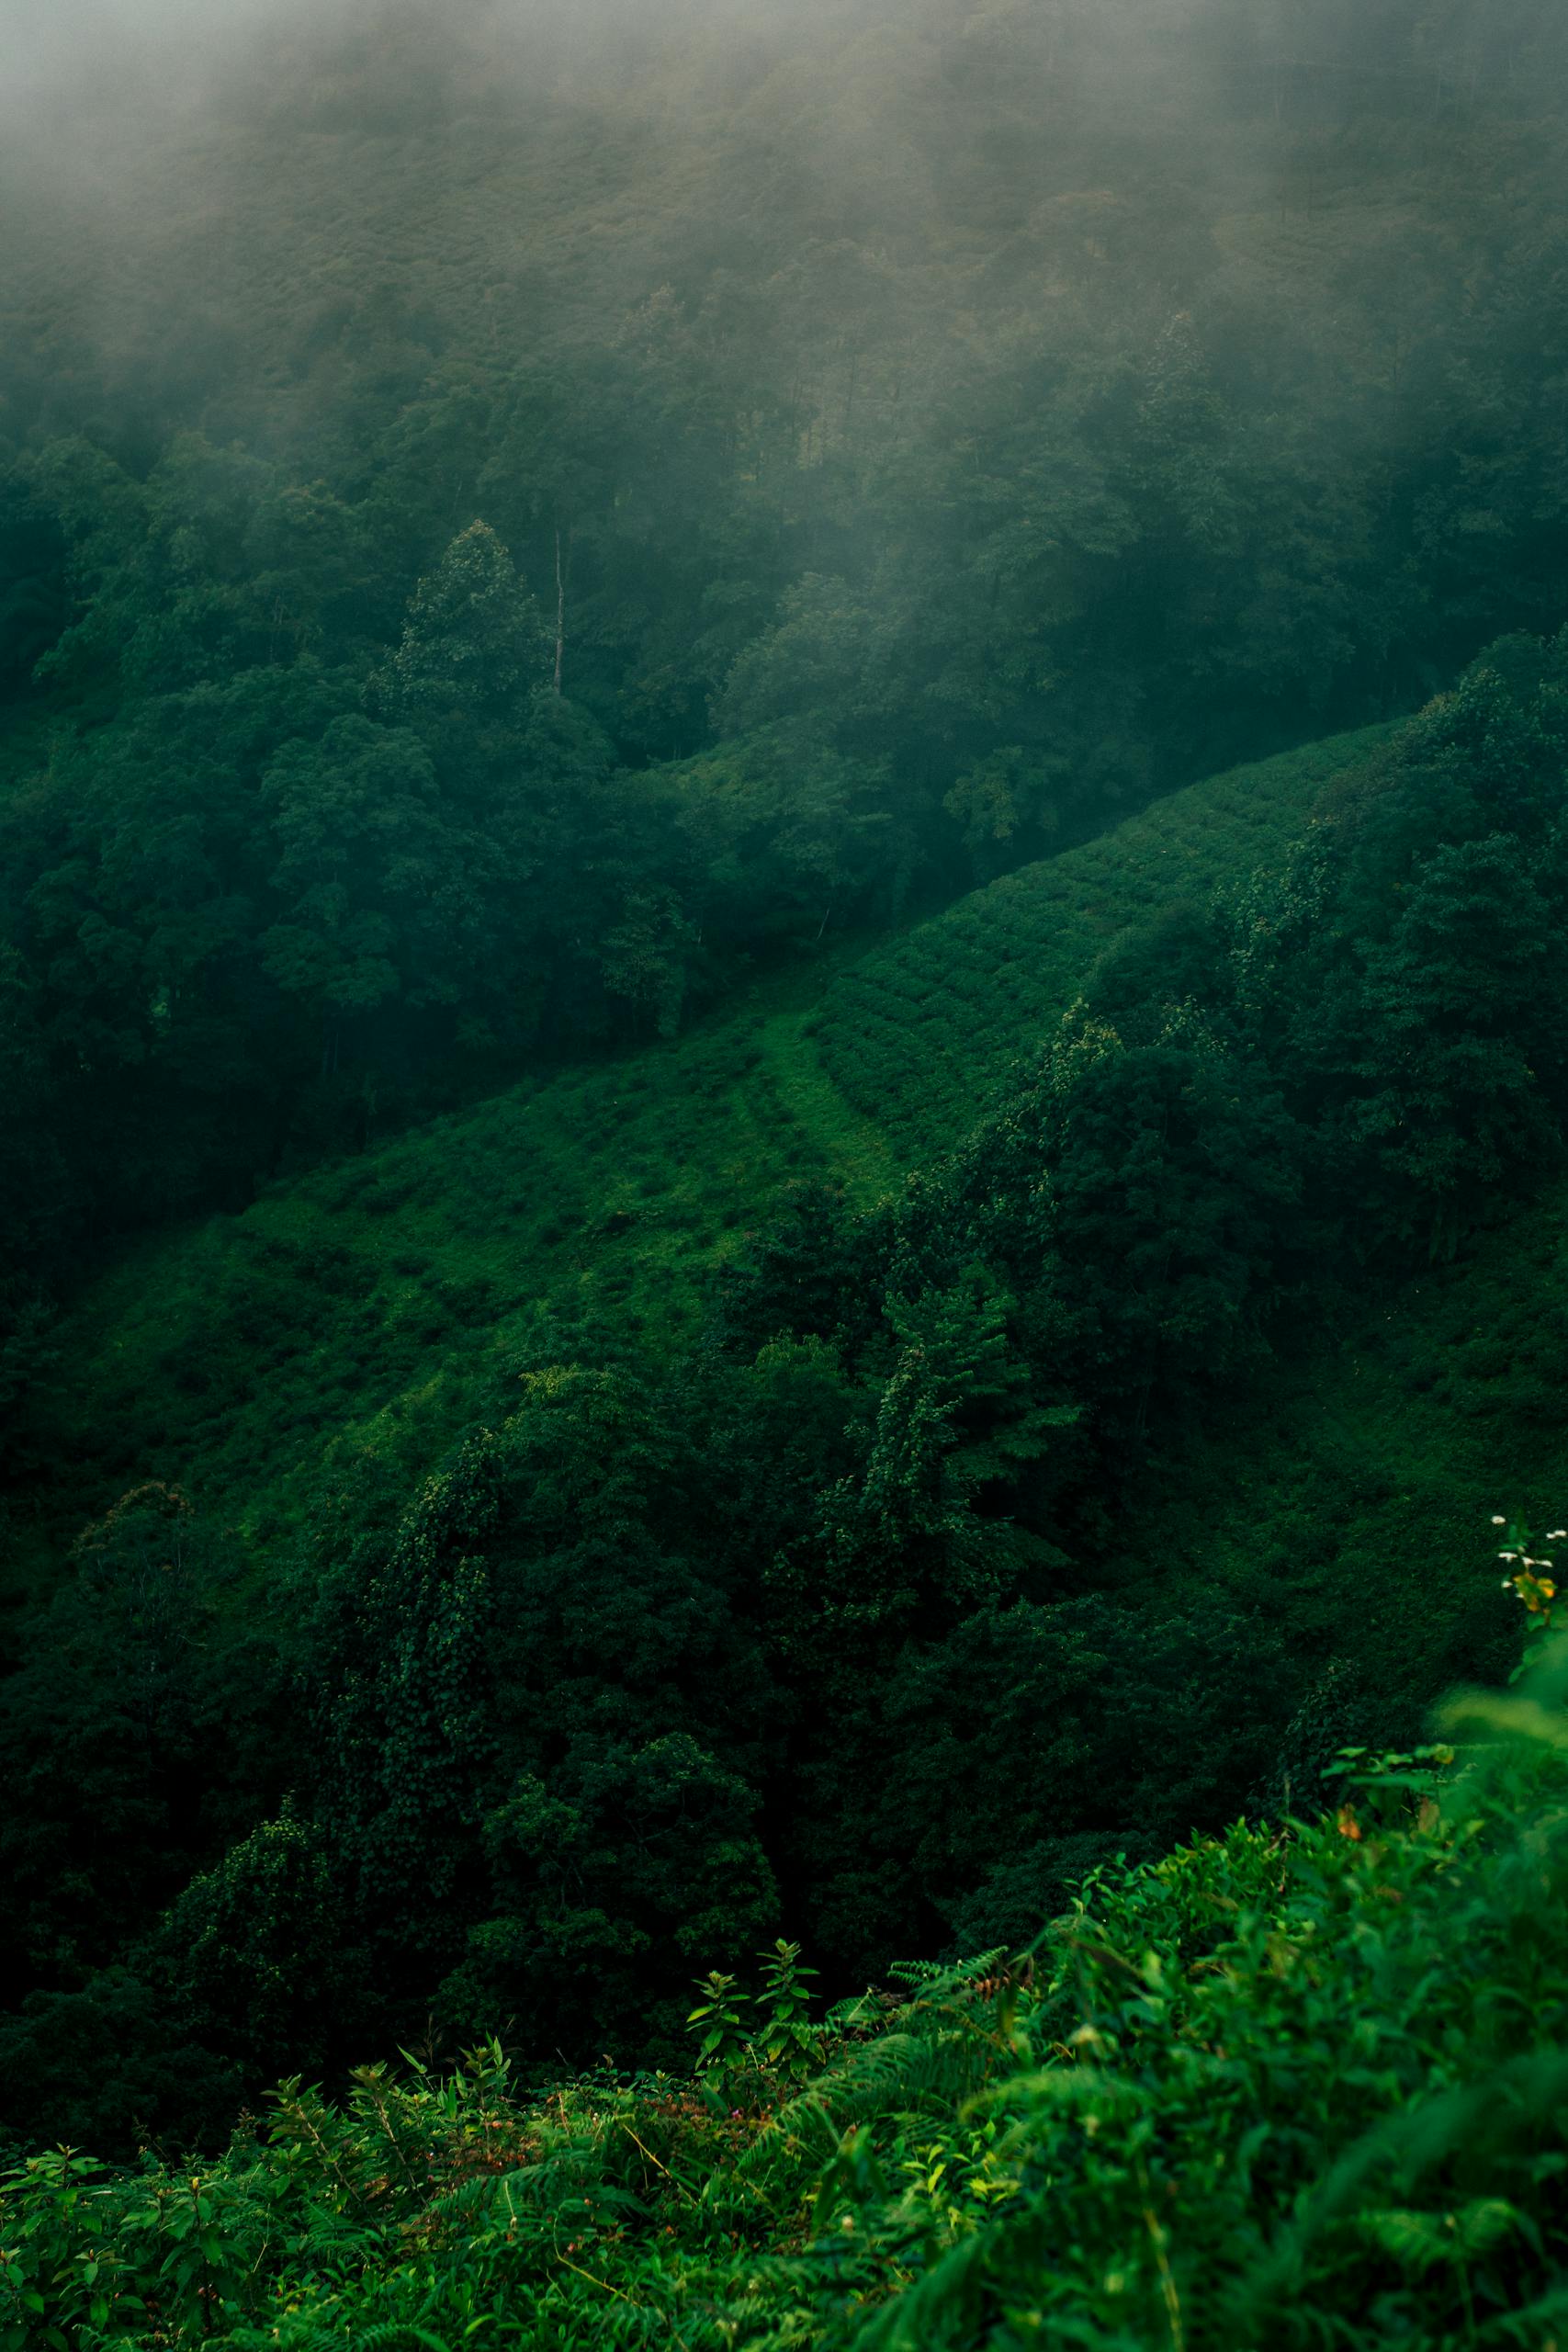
(1294, 2085)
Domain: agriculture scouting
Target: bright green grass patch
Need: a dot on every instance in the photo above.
(916, 1034)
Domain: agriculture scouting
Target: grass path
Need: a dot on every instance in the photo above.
(851, 1146)
(376, 1306)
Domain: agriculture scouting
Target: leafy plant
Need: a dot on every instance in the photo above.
(785, 2042)
(719, 2018)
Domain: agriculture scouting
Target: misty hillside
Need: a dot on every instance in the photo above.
(784, 825)
(388, 1300)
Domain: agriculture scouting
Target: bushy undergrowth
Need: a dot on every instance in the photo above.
(1295, 2085)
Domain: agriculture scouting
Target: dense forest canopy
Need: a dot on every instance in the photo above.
(521, 535)
(897, 440)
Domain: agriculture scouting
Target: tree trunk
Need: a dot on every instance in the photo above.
(560, 612)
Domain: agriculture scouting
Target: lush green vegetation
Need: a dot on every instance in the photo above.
(1293, 2085)
(391, 1298)
(437, 647)
(895, 1592)
(917, 1036)
(713, 1245)
(388, 1299)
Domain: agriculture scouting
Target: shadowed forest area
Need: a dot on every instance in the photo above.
(782, 859)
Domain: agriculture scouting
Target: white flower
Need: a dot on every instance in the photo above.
(1498, 1519)
(1557, 1534)
(1508, 1555)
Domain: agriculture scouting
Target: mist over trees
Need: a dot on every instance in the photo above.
(517, 529)
(916, 437)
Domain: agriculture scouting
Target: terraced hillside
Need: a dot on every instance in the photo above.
(367, 1312)
(384, 1302)
(916, 1035)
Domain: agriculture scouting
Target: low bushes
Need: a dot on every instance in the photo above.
(1298, 2085)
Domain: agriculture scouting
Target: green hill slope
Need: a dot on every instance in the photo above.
(916, 1035)
(1302, 1566)
(382, 1303)
(376, 1306)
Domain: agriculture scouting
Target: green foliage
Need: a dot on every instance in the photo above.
(471, 630)
(857, 1599)
(518, 577)
(1157, 1187)
(594, 1200)
(719, 2019)
(919, 1033)
(254, 1952)
(364, 868)
(606, 1883)
(104, 1726)
(845, 571)
(467, 703)
(786, 2043)
(1293, 2083)
(778, 2039)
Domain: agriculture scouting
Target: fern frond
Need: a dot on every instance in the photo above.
(390, 2336)
(947, 2306)
(310, 2336)
(939, 1980)
(901, 2073)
